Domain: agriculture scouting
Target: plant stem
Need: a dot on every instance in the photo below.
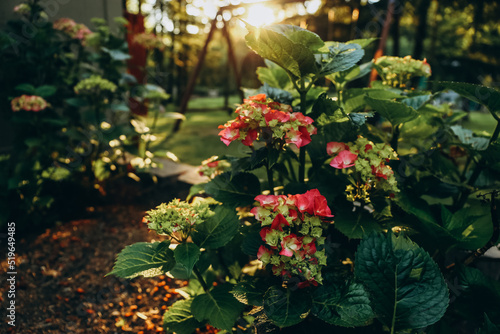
(200, 279)
(395, 137)
(270, 178)
(302, 152)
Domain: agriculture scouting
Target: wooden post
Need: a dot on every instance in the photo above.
(196, 72)
(383, 36)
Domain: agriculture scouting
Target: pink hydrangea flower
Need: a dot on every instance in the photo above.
(344, 159)
(334, 147)
(29, 103)
(289, 244)
(273, 121)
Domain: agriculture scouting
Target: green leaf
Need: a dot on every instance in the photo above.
(299, 35)
(239, 190)
(488, 97)
(195, 190)
(143, 258)
(346, 305)
(467, 137)
(354, 222)
(363, 42)
(341, 57)
(217, 230)
(251, 243)
(250, 291)
(274, 76)
(407, 289)
(33, 141)
(116, 54)
(351, 74)
(354, 98)
(286, 308)
(416, 102)
(77, 102)
(273, 44)
(26, 88)
(187, 254)
(471, 226)
(46, 91)
(395, 112)
(218, 306)
(178, 318)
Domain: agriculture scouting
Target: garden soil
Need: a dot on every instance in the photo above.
(61, 285)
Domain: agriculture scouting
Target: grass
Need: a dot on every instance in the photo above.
(198, 137)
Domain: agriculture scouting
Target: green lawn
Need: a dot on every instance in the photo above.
(198, 137)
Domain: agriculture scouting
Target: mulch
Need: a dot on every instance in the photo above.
(61, 284)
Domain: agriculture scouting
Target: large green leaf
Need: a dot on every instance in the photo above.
(143, 258)
(218, 306)
(489, 97)
(354, 98)
(299, 35)
(341, 57)
(286, 308)
(179, 319)
(406, 286)
(217, 230)
(488, 327)
(395, 112)
(471, 226)
(187, 254)
(346, 305)
(274, 44)
(239, 190)
(356, 72)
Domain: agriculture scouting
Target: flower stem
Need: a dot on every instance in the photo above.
(302, 152)
(270, 179)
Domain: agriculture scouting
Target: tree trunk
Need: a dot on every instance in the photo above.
(422, 10)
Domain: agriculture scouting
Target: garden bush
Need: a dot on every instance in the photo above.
(67, 96)
(376, 205)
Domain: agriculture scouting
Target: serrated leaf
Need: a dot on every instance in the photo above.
(187, 254)
(363, 42)
(239, 190)
(178, 318)
(299, 35)
(250, 291)
(395, 112)
(346, 305)
(286, 308)
(296, 58)
(385, 265)
(143, 258)
(341, 57)
(218, 306)
(354, 98)
(77, 102)
(351, 74)
(489, 97)
(217, 230)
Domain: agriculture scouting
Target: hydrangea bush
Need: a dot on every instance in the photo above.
(337, 237)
